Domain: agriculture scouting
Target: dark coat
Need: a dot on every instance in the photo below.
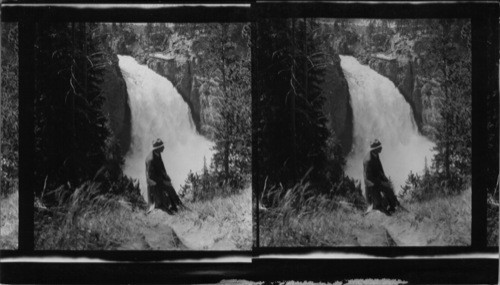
(162, 194)
(376, 184)
(373, 170)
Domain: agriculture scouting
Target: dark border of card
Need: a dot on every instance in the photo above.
(145, 266)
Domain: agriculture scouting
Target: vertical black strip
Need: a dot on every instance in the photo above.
(255, 170)
(26, 146)
(479, 89)
(494, 79)
(490, 74)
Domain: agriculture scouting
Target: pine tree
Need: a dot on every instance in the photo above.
(228, 70)
(70, 129)
(291, 126)
(453, 135)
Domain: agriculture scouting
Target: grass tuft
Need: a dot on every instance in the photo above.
(84, 220)
(451, 215)
(231, 214)
(298, 220)
(87, 219)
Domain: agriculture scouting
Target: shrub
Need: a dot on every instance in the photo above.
(417, 188)
(431, 184)
(299, 216)
(345, 189)
(212, 183)
(350, 191)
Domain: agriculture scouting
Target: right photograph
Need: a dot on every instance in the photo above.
(362, 132)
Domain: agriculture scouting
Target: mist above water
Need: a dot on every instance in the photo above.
(158, 111)
(380, 112)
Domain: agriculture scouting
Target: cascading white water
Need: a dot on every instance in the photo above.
(381, 112)
(158, 111)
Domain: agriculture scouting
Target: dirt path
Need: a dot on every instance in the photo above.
(400, 229)
(152, 235)
(223, 224)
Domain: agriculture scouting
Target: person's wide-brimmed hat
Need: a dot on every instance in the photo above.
(157, 144)
(375, 144)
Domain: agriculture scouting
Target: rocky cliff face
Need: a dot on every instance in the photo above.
(116, 107)
(337, 107)
(402, 68)
(179, 72)
(114, 89)
(180, 66)
(412, 82)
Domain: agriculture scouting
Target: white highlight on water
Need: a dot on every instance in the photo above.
(381, 112)
(158, 111)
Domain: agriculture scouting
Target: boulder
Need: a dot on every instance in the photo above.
(337, 107)
(116, 106)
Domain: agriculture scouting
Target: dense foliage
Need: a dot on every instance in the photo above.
(293, 141)
(229, 71)
(73, 142)
(448, 63)
(223, 69)
(10, 108)
(69, 128)
(433, 65)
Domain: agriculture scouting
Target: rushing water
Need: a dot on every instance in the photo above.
(158, 111)
(381, 112)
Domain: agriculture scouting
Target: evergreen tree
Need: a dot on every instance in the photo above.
(231, 74)
(70, 129)
(447, 47)
(291, 128)
(453, 134)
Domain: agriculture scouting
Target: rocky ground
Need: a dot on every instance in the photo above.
(219, 224)
(402, 229)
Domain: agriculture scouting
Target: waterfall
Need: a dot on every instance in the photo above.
(381, 112)
(158, 111)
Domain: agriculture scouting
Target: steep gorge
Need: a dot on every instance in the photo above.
(181, 71)
(396, 57)
(411, 82)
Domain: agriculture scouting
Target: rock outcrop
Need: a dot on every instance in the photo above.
(179, 71)
(411, 82)
(337, 107)
(398, 59)
(116, 106)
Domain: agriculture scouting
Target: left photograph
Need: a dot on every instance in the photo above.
(142, 136)
(9, 189)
